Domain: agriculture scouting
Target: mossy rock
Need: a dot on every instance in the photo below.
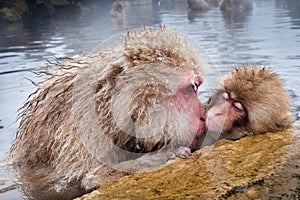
(265, 166)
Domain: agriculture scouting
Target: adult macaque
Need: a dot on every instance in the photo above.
(236, 5)
(252, 101)
(94, 113)
(200, 5)
(117, 9)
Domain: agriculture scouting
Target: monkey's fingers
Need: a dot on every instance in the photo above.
(181, 152)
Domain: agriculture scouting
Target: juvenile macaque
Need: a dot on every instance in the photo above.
(252, 101)
(94, 113)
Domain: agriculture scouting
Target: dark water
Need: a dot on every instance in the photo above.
(268, 35)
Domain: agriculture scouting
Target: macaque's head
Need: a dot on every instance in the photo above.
(155, 100)
(253, 101)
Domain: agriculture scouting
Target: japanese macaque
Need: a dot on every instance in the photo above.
(117, 14)
(236, 5)
(213, 3)
(135, 103)
(198, 5)
(252, 101)
(196, 8)
(117, 9)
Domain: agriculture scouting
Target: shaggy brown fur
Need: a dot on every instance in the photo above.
(94, 112)
(262, 94)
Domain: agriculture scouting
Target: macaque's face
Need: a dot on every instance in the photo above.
(224, 113)
(163, 104)
(187, 101)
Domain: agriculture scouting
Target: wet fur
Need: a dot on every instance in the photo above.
(58, 148)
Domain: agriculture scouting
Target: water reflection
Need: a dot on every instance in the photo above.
(14, 34)
(236, 12)
(269, 34)
(194, 14)
(294, 10)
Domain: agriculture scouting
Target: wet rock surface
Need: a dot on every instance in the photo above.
(12, 10)
(265, 166)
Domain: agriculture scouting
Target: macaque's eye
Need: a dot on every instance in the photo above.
(188, 89)
(226, 96)
(191, 88)
(238, 106)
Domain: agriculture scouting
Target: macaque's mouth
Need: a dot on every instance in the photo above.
(195, 144)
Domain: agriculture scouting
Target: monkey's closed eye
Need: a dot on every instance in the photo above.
(208, 101)
(238, 106)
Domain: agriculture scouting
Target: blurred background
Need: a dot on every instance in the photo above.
(33, 32)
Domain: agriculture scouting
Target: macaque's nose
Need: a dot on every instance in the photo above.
(219, 113)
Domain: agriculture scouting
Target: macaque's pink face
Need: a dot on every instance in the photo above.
(187, 101)
(167, 100)
(224, 113)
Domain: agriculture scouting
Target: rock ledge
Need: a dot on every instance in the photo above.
(265, 166)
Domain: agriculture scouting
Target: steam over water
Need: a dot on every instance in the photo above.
(268, 35)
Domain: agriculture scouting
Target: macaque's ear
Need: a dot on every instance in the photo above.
(286, 119)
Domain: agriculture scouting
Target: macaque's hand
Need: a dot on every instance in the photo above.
(181, 152)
